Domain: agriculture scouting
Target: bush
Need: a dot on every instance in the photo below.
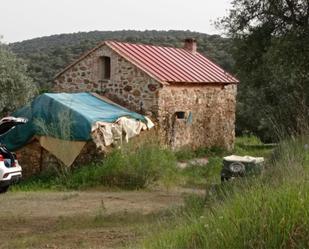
(17, 88)
(131, 167)
(138, 168)
(128, 168)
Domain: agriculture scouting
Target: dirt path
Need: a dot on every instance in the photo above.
(80, 219)
(54, 204)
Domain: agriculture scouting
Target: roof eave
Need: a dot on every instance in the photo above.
(202, 83)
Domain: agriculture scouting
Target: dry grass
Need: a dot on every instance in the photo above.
(81, 219)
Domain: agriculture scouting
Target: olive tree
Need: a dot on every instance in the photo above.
(16, 88)
(271, 50)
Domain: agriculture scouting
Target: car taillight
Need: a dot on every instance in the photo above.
(1, 158)
(6, 175)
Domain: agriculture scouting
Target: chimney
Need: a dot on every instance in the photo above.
(190, 45)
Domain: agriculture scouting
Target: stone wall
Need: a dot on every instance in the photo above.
(34, 159)
(209, 115)
(211, 107)
(128, 85)
(29, 157)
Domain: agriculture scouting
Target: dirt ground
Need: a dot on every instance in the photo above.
(81, 219)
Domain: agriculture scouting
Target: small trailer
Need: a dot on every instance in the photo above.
(240, 166)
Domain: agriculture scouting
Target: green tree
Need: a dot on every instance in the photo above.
(271, 52)
(16, 88)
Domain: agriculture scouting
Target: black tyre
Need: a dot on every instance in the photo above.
(3, 189)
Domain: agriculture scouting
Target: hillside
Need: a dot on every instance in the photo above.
(46, 56)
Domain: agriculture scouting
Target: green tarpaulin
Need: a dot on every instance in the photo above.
(67, 116)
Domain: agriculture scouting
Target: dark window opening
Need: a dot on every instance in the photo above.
(105, 68)
(180, 115)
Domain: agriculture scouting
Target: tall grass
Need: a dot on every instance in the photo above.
(130, 167)
(257, 218)
(187, 153)
(204, 176)
(271, 211)
(140, 164)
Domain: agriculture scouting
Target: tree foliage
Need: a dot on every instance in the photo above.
(271, 52)
(16, 87)
(48, 55)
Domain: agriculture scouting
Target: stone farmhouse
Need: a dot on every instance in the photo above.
(191, 99)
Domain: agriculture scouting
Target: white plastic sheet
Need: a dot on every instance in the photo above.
(105, 134)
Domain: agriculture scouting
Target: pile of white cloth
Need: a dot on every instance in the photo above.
(105, 134)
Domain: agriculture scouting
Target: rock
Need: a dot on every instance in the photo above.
(127, 88)
(193, 162)
(152, 87)
(136, 93)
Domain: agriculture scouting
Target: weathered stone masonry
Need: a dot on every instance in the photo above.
(209, 115)
(34, 158)
(188, 114)
(128, 85)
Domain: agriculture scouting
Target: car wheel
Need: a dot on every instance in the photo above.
(3, 189)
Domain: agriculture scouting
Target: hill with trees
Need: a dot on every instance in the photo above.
(46, 56)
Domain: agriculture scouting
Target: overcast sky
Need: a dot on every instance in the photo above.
(26, 19)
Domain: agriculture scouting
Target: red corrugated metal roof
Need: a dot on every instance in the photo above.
(172, 65)
(167, 64)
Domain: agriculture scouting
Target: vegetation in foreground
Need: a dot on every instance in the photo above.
(131, 167)
(77, 219)
(270, 211)
(137, 166)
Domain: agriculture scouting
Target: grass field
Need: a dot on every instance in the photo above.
(84, 219)
(268, 211)
(145, 166)
(161, 206)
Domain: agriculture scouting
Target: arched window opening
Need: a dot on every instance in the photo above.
(104, 68)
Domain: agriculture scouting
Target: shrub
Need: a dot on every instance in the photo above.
(131, 167)
(138, 167)
(17, 88)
